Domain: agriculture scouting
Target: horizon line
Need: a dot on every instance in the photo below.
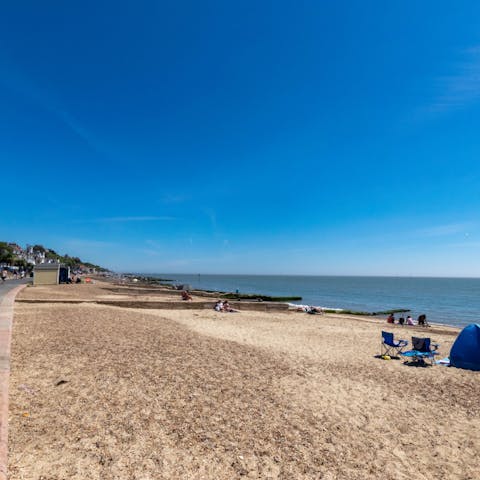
(301, 275)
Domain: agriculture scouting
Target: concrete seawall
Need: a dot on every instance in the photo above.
(169, 305)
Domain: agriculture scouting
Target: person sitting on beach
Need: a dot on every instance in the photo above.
(186, 295)
(422, 320)
(302, 308)
(401, 320)
(227, 307)
(218, 306)
(391, 318)
(410, 320)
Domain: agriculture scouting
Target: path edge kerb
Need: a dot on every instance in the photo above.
(6, 324)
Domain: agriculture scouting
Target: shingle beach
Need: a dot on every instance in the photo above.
(105, 392)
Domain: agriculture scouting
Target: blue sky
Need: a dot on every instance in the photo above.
(334, 137)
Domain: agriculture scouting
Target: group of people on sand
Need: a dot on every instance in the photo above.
(309, 309)
(422, 320)
(220, 306)
(186, 295)
(223, 306)
(15, 274)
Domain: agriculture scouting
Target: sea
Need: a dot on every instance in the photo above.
(448, 301)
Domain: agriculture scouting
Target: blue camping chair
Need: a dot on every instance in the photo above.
(390, 345)
(422, 349)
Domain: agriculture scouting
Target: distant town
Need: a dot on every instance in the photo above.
(17, 259)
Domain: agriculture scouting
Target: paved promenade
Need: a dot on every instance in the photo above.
(8, 285)
(8, 291)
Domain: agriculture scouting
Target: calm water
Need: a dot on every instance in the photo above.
(452, 301)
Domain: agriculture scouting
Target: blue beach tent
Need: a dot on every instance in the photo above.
(465, 352)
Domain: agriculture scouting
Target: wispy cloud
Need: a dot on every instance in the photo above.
(173, 198)
(17, 82)
(84, 243)
(445, 230)
(149, 252)
(146, 218)
(153, 249)
(153, 243)
(461, 88)
(472, 244)
(177, 263)
(212, 216)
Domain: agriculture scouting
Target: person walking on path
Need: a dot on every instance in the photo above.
(4, 274)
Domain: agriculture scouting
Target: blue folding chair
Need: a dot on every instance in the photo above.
(390, 345)
(422, 350)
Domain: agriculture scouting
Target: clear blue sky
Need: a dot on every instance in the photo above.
(306, 137)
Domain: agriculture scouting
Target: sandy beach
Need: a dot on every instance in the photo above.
(104, 392)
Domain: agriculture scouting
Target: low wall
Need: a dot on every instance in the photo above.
(180, 305)
(185, 305)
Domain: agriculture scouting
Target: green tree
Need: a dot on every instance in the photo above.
(20, 262)
(6, 253)
(39, 249)
(51, 254)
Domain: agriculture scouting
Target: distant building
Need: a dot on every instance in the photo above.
(33, 256)
(16, 249)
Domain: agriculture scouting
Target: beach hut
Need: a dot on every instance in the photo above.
(46, 274)
(465, 352)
